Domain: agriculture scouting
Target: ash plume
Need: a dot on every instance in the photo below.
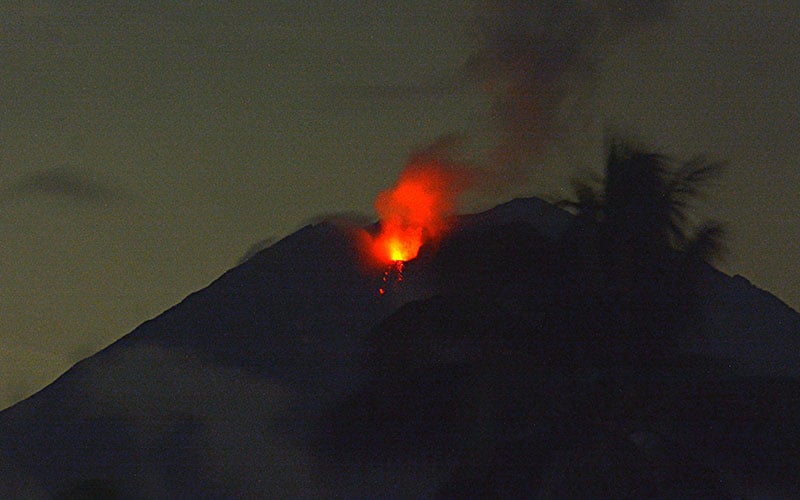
(415, 210)
(535, 55)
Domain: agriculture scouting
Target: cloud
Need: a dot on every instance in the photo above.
(67, 183)
(254, 249)
(396, 91)
(224, 425)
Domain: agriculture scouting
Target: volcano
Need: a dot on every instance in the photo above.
(482, 374)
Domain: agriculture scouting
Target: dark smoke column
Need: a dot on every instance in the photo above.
(533, 55)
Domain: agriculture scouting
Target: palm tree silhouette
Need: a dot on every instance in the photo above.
(644, 203)
(634, 247)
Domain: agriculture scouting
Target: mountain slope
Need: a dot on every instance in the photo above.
(290, 376)
(279, 332)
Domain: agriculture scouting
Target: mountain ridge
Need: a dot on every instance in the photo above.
(297, 337)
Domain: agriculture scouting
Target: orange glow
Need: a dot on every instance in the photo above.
(414, 211)
(393, 276)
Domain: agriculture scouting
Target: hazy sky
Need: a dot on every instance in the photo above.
(145, 146)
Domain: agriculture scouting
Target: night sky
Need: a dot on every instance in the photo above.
(144, 148)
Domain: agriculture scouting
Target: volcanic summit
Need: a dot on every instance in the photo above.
(495, 369)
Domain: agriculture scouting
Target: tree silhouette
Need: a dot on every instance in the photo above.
(644, 203)
(633, 249)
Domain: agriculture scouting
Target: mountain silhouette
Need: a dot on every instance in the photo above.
(482, 374)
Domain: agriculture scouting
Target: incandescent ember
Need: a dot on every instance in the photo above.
(415, 212)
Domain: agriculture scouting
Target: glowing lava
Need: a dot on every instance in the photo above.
(414, 212)
(392, 276)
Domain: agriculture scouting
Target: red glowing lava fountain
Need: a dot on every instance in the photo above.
(415, 210)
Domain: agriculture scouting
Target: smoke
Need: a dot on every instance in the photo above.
(533, 57)
(428, 187)
(255, 248)
(415, 210)
(536, 55)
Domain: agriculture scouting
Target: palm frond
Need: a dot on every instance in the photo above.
(693, 176)
(707, 243)
(588, 201)
(649, 197)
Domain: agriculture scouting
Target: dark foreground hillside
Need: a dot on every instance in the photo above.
(498, 368)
